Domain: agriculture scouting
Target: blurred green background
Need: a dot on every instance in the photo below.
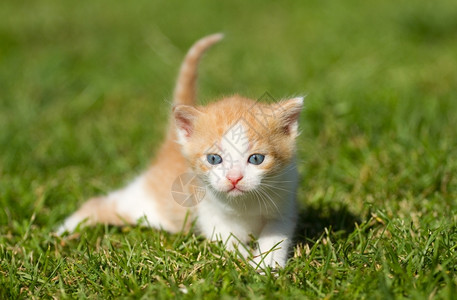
(85, 88)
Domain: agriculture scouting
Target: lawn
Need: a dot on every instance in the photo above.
(84, 100)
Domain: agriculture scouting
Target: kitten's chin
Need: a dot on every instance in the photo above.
(235, 192)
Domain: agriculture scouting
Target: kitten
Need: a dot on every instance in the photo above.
(238, 158)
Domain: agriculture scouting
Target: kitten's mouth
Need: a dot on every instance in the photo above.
(235, 191)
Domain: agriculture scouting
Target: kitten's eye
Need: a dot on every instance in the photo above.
(256, 159)
(214, 159)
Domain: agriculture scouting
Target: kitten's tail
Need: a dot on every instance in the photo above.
(186, 90)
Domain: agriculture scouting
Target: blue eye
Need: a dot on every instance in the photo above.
(256, 159)
(214, 159)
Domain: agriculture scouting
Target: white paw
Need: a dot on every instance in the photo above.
(271, 259)
(69, 225)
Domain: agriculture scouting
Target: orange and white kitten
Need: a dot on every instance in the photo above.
(242, 153)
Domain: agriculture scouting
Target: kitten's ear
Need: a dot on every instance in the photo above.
(185, 117)
(289, 113)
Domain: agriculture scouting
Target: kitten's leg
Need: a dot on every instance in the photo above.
(217, 227)
(118, 208)
(273, 244)
(232, 243)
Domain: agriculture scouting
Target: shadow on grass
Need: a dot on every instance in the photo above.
(313, 220)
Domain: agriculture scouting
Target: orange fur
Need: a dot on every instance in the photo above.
(168, 164)
(266, 134)
(95, 211)
(264, 192)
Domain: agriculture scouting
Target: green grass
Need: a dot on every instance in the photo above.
(84, 88)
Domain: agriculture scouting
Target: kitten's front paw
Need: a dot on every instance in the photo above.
(69, 225)
(270, 259)
(61, 230)
(238, 248)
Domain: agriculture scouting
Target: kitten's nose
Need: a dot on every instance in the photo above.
(234, 178)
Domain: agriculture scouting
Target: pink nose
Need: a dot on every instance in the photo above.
(234, 179)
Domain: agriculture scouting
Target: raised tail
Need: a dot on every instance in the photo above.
(186, 89)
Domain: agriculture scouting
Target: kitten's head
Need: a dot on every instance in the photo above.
(235, 143)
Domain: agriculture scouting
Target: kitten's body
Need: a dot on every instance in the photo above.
(242, 197)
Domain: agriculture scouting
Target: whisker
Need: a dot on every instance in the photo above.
(285, 169)
(260, 205)
(265, 193)
(278, 181)
(264, 203)
(276, 188)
